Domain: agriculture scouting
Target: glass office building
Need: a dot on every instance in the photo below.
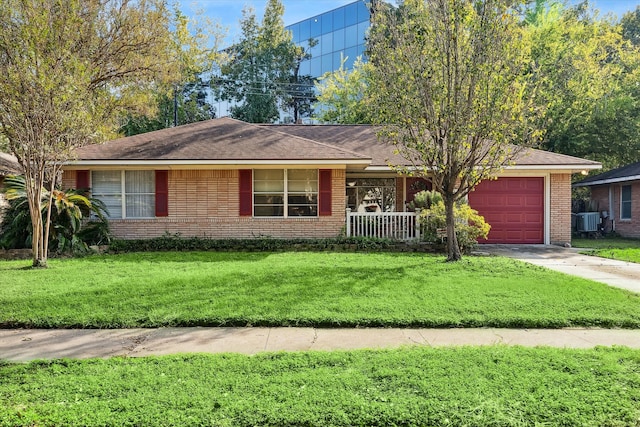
(339, 33)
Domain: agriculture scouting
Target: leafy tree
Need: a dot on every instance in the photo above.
(587, 76)
(184, 101)
(300, 93)
(259, 68)
(450, 91)
(191, 103)
(68, 71)
(631, 26)
(343, 95)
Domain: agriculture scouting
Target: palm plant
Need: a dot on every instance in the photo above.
(77, 220)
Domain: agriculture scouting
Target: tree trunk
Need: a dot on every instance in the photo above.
(453, 250)
(34, 198)
(37, 244)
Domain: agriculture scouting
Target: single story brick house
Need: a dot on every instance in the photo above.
(616, 195)
(224, 178)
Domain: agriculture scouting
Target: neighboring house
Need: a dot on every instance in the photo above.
(8, 166)
(616, 195)
(224, 178)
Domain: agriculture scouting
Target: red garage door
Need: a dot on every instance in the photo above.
(514, 207)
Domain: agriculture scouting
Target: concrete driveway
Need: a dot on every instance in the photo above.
(620, 274)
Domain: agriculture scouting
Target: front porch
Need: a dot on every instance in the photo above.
(379, 206)
(403, 226)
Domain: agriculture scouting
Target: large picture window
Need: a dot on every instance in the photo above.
(371, 194)
(285, 193)
(127, 194)
(625, 202)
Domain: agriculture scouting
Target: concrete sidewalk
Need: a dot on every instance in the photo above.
(620, 274)
(28, 344)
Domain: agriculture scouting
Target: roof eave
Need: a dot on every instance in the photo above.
(229, 162)
(559, 167)
(607, 181)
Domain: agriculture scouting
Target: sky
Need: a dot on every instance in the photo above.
(229, 12)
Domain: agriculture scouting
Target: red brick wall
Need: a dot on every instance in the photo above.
(69, 179)
(624, 227)
(205, 203)
(629, 228)
(600, 195)
(600, 198)
(560, 209)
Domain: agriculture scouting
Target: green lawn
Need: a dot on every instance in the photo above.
(611, 247)
(304, 288)
(483, 386)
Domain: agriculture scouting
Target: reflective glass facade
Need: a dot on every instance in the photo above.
(339, 33)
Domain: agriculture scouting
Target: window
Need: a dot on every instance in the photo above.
(327, 22)
(338, 39)
(625, 202)
(326, 43)
(338, 18)
(139, 194)
(371, 194)
(127, 194)
(350, 14)
(285, 193)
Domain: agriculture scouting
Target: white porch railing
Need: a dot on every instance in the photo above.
(389, 225)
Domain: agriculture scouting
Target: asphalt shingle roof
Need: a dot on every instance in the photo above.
(363, 139)
(625, 173)
(216, 139)
(226, 139)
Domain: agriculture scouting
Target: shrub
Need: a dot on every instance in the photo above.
(469, 225)
(70, 229)
(424, 199)
(174, 242)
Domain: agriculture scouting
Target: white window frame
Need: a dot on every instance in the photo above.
(622, 202)
(285, 196)
(123, 197)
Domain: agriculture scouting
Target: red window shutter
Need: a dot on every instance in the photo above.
(162, 193)
(325, 192)
(246, 192)
(82, 179)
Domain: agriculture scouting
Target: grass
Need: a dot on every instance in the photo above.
(611, 247)
(482, 386)
(304, 289)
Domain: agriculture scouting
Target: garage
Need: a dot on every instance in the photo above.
(514, 206)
